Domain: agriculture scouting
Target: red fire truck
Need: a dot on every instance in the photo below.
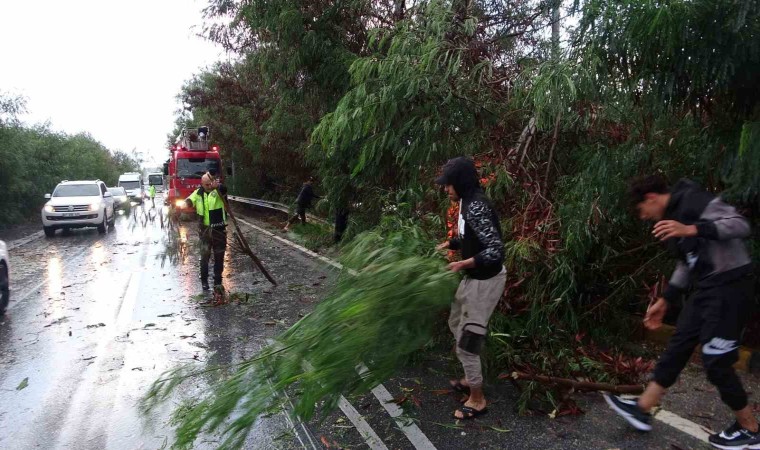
(192, 155)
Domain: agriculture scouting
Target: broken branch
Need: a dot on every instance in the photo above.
(577, 385)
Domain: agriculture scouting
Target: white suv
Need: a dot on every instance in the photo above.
(78, 204)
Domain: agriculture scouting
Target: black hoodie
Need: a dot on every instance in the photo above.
(482, 232)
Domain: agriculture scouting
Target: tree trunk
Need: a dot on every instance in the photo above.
(577, 385)
(555, 29)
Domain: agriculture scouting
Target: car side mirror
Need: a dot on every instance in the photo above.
(166, 168)
(47, 196)
(107, 194)
(229, 171)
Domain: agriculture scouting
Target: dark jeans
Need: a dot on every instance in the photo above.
(715, 318)
(212, 241)
(300, 214)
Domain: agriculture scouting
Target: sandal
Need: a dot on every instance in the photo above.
(469, 413)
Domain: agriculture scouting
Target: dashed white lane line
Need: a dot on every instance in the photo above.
(694, 430)
(684, 425)
(24, 240)
(370, 437)
(17, 300)
(384, 397)
(410, 430)
(365, 430)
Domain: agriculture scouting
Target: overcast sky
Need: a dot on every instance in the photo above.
(109, 68)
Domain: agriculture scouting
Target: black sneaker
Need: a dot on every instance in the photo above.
(629, 410)
(736, 437)
(204, 285)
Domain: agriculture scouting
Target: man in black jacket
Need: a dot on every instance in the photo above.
(303, 202)
(707, 236)
(479, 240)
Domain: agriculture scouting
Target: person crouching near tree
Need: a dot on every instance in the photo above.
(707, 236)
(208, 204)
(480, 243)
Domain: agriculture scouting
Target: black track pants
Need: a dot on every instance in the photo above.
(715, 318)
(212, 241)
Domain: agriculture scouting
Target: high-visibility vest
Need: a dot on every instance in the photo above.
(208, 204)
(152, 191)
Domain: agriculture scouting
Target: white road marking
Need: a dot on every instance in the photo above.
(370, 437)
(302, 249)
(17, 300)
(413, 433)
(24, 240)
(684, 425)
(365, 430)
(411, 430)
(693, 429)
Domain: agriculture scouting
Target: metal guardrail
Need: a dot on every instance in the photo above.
(274, 205)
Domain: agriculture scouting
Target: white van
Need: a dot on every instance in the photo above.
(132, 183)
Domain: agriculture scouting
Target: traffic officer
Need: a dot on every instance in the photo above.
(152, 193)
(209, 206)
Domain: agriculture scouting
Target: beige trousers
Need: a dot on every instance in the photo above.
(473, 305)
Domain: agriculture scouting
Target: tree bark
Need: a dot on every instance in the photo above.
(551, 151)
(239, 234)
(555, 29)
(528, 132)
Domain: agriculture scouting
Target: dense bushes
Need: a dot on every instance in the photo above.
(34, 159)
(375, 96)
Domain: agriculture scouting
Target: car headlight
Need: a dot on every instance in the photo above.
(49, 208)
(179, 203)
(94, 206)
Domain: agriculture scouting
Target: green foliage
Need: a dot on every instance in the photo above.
(35, 159)
(744, 180)
(413, 103)
(375, 96)
(682, 51)
(378, 317)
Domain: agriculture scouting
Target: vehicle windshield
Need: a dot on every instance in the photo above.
(76, 190)
(130, 184)
(117, 191)
(155, 179)
(196, 167)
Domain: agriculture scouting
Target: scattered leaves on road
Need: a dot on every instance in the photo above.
(57, 321)
(24, 383)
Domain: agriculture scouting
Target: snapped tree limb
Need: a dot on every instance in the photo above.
(577, 385)
(244, 244)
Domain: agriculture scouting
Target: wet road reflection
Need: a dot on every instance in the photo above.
(95, 319)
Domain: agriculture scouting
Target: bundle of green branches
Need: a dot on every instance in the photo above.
(379, 314)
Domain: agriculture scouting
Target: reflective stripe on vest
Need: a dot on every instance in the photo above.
(209, 202)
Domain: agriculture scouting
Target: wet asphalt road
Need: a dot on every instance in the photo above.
(95, 319)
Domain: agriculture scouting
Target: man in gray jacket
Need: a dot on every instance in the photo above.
(707, 236)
